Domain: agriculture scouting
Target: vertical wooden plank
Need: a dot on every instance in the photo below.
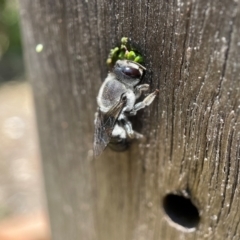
(191, 51)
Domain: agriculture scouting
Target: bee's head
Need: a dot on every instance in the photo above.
(128, 72)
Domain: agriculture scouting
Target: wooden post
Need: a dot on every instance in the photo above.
(192, 152)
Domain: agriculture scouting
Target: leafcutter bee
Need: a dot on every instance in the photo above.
(116, 101)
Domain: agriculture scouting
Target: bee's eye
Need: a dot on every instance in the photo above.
(131, 72)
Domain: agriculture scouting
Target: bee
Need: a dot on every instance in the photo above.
(116, 102)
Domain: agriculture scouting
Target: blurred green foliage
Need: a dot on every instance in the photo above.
(11, 62)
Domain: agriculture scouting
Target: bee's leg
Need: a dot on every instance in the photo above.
(140, 89)
(146, 102)
(138, 136)
(129, 131)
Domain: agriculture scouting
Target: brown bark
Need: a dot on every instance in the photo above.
(191, 52)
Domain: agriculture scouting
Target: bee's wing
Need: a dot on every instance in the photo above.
(104, 125)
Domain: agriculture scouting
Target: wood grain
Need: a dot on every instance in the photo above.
(191, 52)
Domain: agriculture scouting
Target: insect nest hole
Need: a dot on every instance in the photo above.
(181, 212)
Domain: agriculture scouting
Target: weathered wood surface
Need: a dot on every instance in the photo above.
(192, 53)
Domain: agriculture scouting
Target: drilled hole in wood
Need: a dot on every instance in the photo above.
(181, 211)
